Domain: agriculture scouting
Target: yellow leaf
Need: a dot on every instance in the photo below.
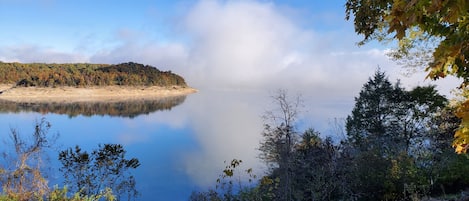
(461, 137)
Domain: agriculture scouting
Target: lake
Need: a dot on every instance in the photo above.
(181, 142)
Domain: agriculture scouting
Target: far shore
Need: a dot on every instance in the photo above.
(89, 94)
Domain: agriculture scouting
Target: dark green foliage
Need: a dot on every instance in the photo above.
(106, 167)
(398, 147)
(377, 136)
(448, 170)
(390, 119)
(396, 138)
(82, 75)
(375, 114)
(315, 170)
(430, 34)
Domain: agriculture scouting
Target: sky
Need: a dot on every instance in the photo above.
(263, 44)
(254, 46)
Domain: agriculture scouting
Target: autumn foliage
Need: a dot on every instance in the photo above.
(432, 34)
(83, 75)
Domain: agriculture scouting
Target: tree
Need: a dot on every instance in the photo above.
(80, 75)
(447, 170)
(22, 178)
(372, 130)
(422, 106)
(437, 30)
(106, 167)
(280, 138)
(315, 168)
(373, 122)
(389, 132)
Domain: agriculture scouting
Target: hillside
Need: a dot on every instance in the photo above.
(86, 75)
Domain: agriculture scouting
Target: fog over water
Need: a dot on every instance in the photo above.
(236, 53)
(182, 148)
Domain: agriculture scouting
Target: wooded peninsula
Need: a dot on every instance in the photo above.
(85, 75)
(83, 82)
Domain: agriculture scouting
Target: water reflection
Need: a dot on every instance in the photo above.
(129, 108)
(180, 150)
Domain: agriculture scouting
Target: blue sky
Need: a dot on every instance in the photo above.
(68, 26)
(304, 46)
(230, 44)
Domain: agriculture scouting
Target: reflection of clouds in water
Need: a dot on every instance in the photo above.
(176, 118)
(189, 143)
(127, 138)
(227, 126)
(183, 149)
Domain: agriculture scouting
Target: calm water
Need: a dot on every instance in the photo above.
(181, 143)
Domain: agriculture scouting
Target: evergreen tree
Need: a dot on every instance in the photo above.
(388, 135)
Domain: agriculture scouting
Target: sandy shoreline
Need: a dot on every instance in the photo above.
(91, 94)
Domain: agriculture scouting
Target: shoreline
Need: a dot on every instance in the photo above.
(89, 94)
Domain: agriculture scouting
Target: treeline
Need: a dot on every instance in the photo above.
(83, 75)
(396, 145)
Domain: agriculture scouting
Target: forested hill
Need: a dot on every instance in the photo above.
(84, 74)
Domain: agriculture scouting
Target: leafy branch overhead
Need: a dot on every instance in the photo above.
(437, 30)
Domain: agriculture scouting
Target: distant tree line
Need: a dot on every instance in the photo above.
(83, 75)
(396, 145)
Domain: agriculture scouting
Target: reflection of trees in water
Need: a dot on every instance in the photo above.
(105, 167)
(21, 166)
(130, 108)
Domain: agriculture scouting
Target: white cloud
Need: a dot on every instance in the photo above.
(234, 44)
(240, 43)
(163, 56)
(137, 47)
(32, 53)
